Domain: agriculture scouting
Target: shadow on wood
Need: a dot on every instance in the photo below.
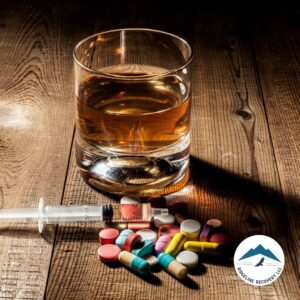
(254, 208)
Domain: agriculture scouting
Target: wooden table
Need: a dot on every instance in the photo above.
(245, 144)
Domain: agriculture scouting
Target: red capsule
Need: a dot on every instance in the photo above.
(132, 240)
(139, 226)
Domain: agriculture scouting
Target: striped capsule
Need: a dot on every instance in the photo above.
(176, 244)
(134, 262)
(203, 247)
(170, 264)
(145, 250)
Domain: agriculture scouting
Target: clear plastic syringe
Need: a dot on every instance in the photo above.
(61, 214)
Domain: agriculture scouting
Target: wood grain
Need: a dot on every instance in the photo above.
(36, 129)
(239, 170)
(276, 44)
(235, 176)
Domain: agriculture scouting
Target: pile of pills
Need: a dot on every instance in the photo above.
(173, 241)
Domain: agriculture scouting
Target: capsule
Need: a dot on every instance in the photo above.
(161, 244)
(145, 250)
(176, 244)
(134, 262)
(204, 247)
(206, 233)
(174, 267)
(139, 226)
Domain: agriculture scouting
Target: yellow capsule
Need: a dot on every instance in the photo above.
(176, 244)
(204, 247)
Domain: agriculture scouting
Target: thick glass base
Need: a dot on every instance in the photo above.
(134, 175)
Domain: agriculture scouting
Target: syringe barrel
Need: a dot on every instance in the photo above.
(55, 214)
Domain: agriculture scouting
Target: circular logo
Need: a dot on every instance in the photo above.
(259, 260)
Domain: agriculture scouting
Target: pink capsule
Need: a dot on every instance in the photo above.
(161, 244)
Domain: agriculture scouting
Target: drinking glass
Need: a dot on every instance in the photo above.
(133, 102)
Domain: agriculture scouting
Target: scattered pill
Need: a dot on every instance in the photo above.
(145, 250)
(188, 258)
(139, 226)
(191, 228)
(151, 259)
(174, 267)
(206, 233)
(178, 206)
(180, 218)
(170, 230)
(108, 253)
(158, 202)
(108, 235)
(132, 240)
(221, 238)
(134, 262)
(147, 234)
(204, 247)
(120, 241)
(163, 220)
(161, 244)
(215, 223)
(176, 244)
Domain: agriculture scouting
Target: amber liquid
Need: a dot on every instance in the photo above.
(133, 118)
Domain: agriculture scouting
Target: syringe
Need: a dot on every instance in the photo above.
(61, 214)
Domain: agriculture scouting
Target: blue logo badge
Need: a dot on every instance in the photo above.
(261, 264)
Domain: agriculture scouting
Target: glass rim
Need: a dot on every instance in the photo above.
(168, 72)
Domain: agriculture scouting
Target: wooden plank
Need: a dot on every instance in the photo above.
(36, 129)
(276, 44)
(234, 171)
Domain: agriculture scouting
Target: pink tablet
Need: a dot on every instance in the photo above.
(108, 253)
(108, 235)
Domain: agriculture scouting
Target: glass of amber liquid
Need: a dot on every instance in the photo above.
(133, 103)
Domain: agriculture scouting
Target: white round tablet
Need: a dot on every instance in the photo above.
(188, 258)
(190, 226)
(127, 200)
(147, 234)
(163, 220)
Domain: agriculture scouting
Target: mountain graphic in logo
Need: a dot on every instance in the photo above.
(259, 250)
